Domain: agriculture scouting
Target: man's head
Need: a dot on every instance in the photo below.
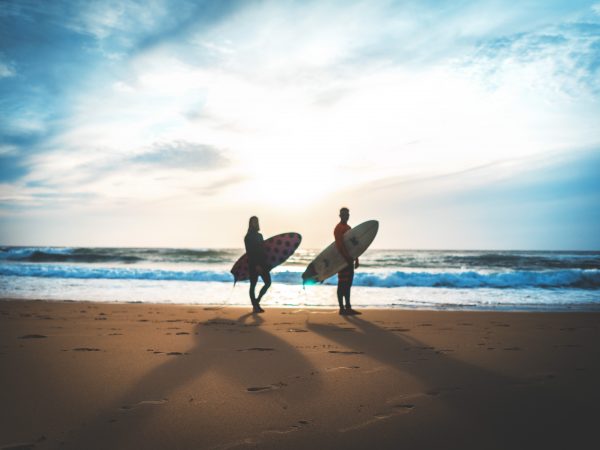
(344, 214)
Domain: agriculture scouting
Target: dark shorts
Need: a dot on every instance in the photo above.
(254, 274)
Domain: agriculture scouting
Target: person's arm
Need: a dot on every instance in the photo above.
(339, 243)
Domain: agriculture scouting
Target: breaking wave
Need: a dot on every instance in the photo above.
(568, 278)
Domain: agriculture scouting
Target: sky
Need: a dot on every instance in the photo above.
(457, 125)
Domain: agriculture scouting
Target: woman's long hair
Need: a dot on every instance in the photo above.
(250, 227)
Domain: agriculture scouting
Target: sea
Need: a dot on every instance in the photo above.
(409, 279)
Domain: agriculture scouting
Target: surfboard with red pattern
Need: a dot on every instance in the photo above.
(277, 249)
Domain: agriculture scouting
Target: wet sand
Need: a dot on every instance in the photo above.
(81, 375)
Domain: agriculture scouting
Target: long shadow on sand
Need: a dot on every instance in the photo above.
(216, 350)
(481, 406)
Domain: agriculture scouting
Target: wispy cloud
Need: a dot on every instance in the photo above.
(566, 57)
(7, 69)
(535, 202)
(181, 155)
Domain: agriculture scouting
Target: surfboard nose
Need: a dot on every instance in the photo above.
(309, 274)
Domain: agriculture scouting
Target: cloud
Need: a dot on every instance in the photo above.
(559, 58)
(7, 69)
(99, 179)
(182, 155)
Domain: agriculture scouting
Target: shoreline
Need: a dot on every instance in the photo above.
(139, 375)
(531, 308)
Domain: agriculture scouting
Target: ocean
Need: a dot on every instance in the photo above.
(441, 279)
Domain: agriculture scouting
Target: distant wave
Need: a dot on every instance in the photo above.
(385, 259)
(489, 260)
(571, 278)
(112, 255)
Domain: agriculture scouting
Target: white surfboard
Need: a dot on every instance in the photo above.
(330, 261)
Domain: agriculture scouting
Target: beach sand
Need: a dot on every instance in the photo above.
(82, 375)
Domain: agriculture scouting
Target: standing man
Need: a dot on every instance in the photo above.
(346, 275)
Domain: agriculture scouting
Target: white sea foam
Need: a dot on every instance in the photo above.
(573, 278)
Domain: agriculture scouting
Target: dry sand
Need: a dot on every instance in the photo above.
(80, 375)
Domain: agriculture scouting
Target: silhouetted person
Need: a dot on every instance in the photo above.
(346, 275)
(257, 263)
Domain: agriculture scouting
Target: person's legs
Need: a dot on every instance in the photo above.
(340, 295)
(344, 278)
(266, 277)
(253, 281)
(347, 286)
(347, 295)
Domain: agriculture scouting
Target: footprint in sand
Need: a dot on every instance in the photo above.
(404, 407)
(143, 403)
(341, 352)
(297, 426)
(270, 387)
(257, 438)
(33, 336)
(86, 349)
(44, 317)
(257, 349)
(331, 369)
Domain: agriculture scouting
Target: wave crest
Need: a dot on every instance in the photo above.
(571, 278)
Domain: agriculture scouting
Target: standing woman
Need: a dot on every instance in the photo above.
(257, 263)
